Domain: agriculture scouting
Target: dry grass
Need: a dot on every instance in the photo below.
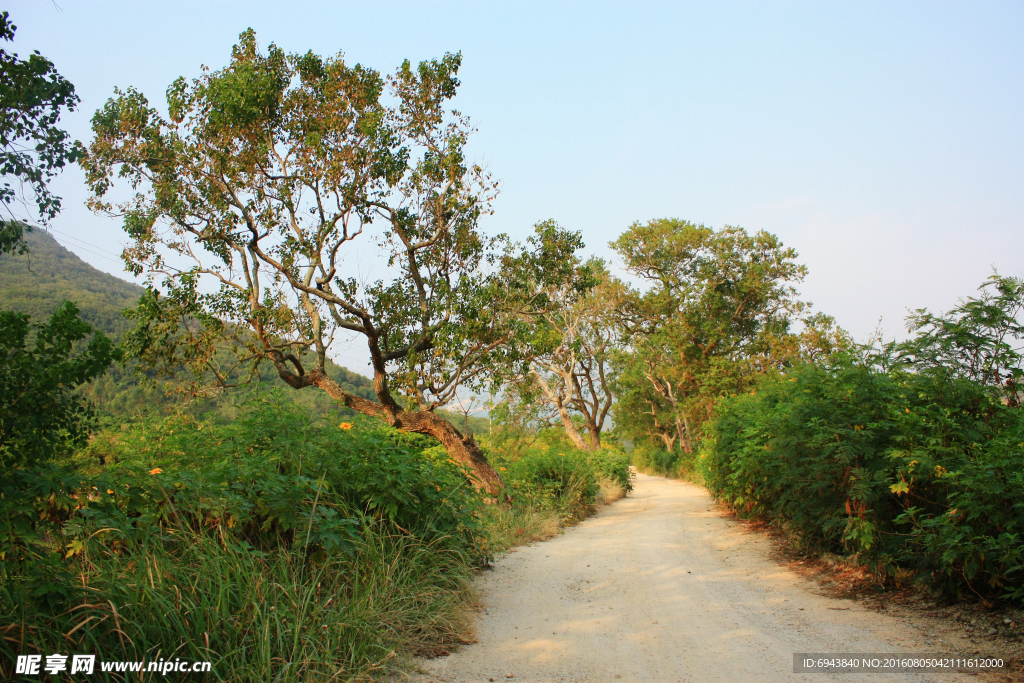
(509, 526)
(611, 491)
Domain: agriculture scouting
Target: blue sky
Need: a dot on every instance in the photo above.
(883, 141)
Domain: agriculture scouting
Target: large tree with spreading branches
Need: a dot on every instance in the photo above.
(568, 311)
(288, 199)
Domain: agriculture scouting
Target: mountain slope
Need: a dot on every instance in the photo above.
(37, 282)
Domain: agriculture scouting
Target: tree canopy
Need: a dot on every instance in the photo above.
(570, 331)
(718, 307)
(41, 416)
(33, 149)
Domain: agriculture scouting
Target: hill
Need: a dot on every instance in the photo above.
(37, 282)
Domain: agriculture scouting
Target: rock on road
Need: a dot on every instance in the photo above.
(661, 586)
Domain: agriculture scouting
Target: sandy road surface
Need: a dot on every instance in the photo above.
(662, 587)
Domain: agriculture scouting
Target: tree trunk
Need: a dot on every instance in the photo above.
(594, 433)
(462, 449)
(563, 412)
(669, 440)
(684, 439)
(570, 428)
(689, 435)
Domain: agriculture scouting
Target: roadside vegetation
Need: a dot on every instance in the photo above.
(905, 457)
(277, 546)
(153, 507)
(908, 456)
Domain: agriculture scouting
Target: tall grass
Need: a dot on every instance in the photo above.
(257, 616)
(519, 523)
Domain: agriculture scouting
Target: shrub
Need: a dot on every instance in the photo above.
(561, 479)
(975, 543)
(299, 547)
(903, 469)
(654, 460)
(612, 463)
(261, 475)
(552, 474)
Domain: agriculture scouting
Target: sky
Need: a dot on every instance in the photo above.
(881, 140)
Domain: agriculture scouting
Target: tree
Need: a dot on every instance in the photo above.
(260, 204)
(718, 310)
(41, 414)
(32, 148)
(594, 374)
(565, 307)
(981, 340)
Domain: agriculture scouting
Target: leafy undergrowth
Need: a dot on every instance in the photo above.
(918, 476)
(276, 547)
(552, 484)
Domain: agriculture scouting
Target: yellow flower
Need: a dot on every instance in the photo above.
(502, 469)
(155, 470)
(345, 425)
(110, 492)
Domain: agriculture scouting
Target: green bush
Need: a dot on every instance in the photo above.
(552, 474)
(976, 541)
(654, 460)
(42, 417)
(905, 469)
(260, 476)
(804, 448)
(612, 463)
(355, 535)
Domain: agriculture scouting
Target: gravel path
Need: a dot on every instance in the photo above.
(661, 586)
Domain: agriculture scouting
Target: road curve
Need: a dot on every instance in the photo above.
(661, 586)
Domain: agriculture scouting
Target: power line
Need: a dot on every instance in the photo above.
(94, 253)
(88, 244)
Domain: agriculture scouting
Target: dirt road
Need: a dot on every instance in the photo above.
(663, 587)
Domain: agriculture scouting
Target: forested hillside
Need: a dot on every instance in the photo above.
(38, 281)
